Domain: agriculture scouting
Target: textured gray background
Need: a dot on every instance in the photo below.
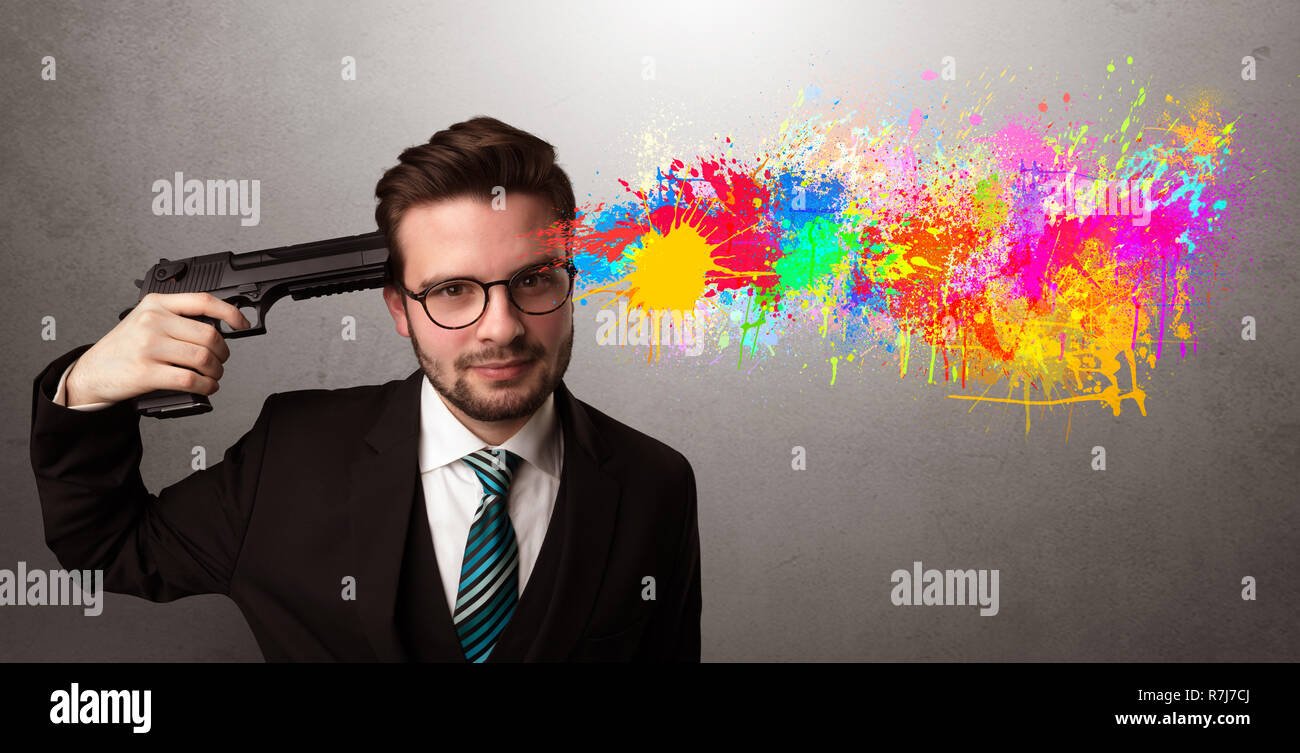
(1143, 561)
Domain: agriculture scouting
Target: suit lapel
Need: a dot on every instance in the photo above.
(383, 485)
(587, 507)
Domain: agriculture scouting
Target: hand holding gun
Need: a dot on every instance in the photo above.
(167, 365)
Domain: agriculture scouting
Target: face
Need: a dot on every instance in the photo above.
(466, 238)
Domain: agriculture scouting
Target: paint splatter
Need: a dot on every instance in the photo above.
(1059, 261)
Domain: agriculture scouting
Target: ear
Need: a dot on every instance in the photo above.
(396, 303)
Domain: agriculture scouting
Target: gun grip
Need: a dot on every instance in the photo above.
(171, 404)
(174, 403)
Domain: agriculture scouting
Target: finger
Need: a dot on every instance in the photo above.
(181, 353)
(198, 333)
(205, 304)
(178, 378)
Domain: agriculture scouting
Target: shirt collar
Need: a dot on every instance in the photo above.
(444, 439)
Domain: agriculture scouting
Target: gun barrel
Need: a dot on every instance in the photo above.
(371, 246)
(261, 274)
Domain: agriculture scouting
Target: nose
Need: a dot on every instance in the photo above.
(501, 321)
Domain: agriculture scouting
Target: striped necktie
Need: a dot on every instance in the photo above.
(489, 573)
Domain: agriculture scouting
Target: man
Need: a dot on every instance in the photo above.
(473, 511)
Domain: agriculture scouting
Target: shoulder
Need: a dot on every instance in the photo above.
(638, 456)
(658, 499)
(329, 409)
(345, 398)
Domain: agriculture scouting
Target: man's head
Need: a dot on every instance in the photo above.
(480, 201)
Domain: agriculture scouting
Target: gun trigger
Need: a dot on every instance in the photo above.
(138, 283)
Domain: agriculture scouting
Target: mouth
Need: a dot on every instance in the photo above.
(504, 369)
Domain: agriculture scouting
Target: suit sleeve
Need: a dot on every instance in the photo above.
(98, 514)
(681, 631)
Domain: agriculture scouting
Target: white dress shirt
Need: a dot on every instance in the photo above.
(452, 491)
(61, 398)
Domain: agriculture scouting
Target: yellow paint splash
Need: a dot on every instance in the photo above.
(667, 274)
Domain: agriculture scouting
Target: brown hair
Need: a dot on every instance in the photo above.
(469, 159)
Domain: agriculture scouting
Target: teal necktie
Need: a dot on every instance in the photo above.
(489, 573)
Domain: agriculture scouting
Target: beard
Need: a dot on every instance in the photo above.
(497, 403)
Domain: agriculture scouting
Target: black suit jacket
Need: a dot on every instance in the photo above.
(324, 487)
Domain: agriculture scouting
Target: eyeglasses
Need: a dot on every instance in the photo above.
(536, 290)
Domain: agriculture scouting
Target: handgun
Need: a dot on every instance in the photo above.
(253, 282)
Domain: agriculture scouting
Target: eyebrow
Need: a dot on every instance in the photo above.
(439, 280)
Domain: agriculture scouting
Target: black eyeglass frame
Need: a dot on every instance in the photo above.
(487, 286)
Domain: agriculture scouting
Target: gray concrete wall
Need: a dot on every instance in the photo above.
(1142, 561)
